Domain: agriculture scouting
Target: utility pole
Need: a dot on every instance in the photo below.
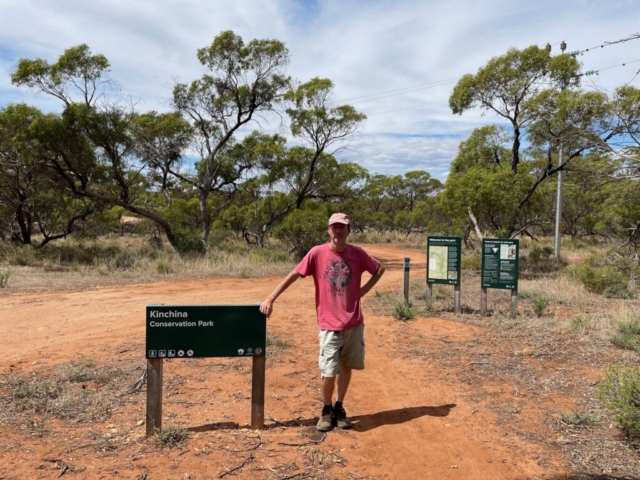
(556, 246)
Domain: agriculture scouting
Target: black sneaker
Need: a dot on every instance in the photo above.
(326, 420)
(340, 419)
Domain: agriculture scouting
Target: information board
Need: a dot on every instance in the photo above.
(500, 263)
(444, 256)
(200, 331)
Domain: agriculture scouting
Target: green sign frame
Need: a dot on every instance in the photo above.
(444, 260)
(203, 331)
(500, 263)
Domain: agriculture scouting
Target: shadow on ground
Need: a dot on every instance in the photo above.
(361, 423)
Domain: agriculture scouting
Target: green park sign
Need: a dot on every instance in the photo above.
(500, 263)
(444, 256)
(200, 331)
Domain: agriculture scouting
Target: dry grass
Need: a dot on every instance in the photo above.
(130, 260)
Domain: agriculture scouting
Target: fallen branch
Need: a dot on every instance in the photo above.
(237, 467)
(478, 363)
(138, 385)
(247, 449)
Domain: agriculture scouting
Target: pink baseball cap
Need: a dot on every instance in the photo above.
(339, 218)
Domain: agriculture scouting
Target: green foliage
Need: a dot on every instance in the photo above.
(303, 229)
(471, 261)
(602, 279)
(578, 419)
(163, 267)
(403, 311)
(539, 303)
(4, 278)
(620, 393)
(188, 242)
(628, 335)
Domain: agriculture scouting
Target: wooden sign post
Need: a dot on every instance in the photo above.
(204, 331)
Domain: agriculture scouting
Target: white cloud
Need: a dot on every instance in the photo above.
(365, 47)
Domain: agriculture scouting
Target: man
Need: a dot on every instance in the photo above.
(337, 269)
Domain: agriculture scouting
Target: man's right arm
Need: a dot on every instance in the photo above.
(266, 307)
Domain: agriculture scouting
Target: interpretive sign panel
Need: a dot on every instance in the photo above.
(444, 256)
(200, 331)
(500, 263)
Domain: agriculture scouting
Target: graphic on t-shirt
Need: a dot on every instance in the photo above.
(338, 275)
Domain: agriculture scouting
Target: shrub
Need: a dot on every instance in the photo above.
(628, 335)
(303, 229)
(539, 303)
(172, 437)
(620, 393)
(4, 278)
(403, 311)
(471, 262)
(604, 280)
(164, 268)
(577, 419)
(188, 242)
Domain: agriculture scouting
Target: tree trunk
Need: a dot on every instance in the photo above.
(476, 227)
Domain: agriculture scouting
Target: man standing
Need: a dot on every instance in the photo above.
(337, 269)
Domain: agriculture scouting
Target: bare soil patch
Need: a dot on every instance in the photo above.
(454, 397)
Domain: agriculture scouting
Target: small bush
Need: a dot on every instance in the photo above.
(577, 419)
(403, 311)
(4, 278)
(604, 280)
(471, 262)
(579, 323)
(171, 437)
(628, 335)
(164, 268)
(539, 303)
(189, 243)
(620, 393)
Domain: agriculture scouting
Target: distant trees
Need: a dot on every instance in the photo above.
(200, 167)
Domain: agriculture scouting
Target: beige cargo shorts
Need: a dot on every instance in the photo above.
(341, 349)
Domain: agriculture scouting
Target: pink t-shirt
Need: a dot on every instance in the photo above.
(337, 279)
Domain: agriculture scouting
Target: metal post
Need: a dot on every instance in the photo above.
(456, 298)
(514, 303)
(483, 305)
(257, 392)
(154, 396)
(405, 280)
(556, 244)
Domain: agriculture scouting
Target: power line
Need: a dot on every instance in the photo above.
(447, 82)
(407, 108)
(596, 72)
(411, 89)
(635, 36)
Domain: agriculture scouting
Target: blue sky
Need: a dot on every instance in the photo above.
(368, 48)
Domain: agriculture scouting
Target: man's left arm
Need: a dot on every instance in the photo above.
(372, 281)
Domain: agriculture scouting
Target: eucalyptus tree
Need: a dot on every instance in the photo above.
(91, 145)
(242, 82)
(28, 186)
(506, 83)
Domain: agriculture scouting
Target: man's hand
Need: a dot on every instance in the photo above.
(266, 307)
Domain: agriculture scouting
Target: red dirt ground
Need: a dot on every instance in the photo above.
(413, 419)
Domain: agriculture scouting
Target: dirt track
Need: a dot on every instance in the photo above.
(413, 419)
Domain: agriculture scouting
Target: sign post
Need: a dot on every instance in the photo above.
(444, 255)
(500, 269)
(405, 280)
(203, 331)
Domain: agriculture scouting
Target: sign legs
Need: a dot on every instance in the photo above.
(514, 303)
(429, 293)
(483, 305)
(456, 298)
(154, 396)
(257, 392)
(405, 280)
